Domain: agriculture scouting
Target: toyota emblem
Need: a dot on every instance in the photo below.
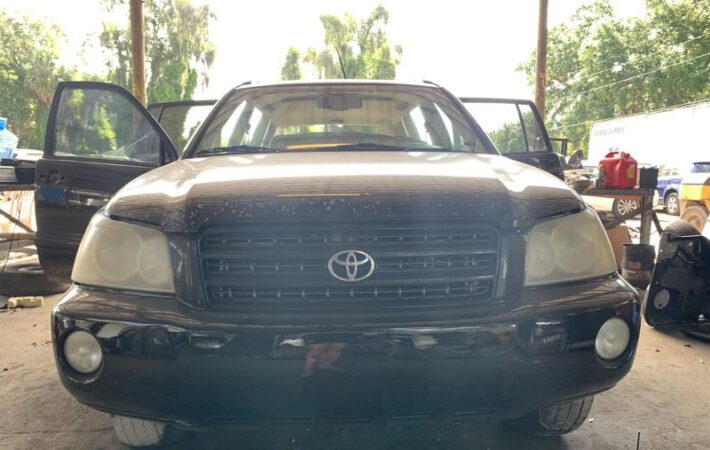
(351, 265)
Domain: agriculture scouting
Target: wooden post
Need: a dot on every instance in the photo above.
(541, 58)
(138, 50)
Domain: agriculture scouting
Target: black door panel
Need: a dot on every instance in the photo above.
(517, 130)
(98, 138)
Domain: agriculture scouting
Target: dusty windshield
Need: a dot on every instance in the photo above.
(340, 117)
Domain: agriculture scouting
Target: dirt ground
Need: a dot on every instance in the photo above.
(665, 398)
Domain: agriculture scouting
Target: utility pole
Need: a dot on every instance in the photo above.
(541, 58)
(138, 50)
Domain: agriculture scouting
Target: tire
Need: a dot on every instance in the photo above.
(623, 206)
(25, 277)
(672, 204)
(697, 216)
(554, 420)
(143, 433)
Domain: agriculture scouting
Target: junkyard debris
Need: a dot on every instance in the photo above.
(25, 302)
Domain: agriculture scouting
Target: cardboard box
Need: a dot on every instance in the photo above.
(618, 236)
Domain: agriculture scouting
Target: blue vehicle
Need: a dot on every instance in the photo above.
(669, 185)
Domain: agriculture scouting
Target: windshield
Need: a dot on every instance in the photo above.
(701, 167)
(337, 117)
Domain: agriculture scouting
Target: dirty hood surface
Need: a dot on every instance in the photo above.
(316, 186)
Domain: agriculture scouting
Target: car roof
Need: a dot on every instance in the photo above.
(351, 82)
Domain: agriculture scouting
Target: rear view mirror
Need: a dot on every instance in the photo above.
(344, 102)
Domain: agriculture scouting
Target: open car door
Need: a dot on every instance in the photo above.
(181, 119)
(99, 137)
(517, 130)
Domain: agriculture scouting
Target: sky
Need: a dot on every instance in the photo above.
(471, 47)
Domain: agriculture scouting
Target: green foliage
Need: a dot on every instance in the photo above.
(363, 48)
(84, 127)
(28, 75)
(291, 69)
(601, 67)
(178, 48)
(508, 137)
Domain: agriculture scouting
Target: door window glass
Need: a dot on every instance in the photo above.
(535, 137)
(103, 124)
(513, 127)
(501, 123)
(181, 121)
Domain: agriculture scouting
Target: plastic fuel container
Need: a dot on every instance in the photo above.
(8, 141)
(620, 170)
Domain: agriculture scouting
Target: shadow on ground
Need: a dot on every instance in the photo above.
(468, 435)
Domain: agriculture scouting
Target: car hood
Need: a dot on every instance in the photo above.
(315, 186)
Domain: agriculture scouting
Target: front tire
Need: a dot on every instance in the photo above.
(672, 204)
(554, 420)
(143, 433)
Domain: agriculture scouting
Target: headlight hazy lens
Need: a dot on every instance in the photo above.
(612, 339)
(124, 256)
(83, 352)
(111, 251)
(570, 248)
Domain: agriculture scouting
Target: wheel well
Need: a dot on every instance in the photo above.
(669, 192)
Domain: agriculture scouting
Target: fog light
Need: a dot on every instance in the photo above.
(83, 352)
(612, 339)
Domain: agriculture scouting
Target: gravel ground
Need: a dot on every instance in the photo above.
(665, 398)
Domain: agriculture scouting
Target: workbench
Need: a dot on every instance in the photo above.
(645, 198)
(27, 233)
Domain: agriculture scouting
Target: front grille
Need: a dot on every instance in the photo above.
(286, 266)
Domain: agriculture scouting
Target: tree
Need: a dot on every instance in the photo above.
(28, 75)
(601, 67)
(363, 48)
(178, 48)
(291, 69)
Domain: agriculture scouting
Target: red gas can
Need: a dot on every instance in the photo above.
(620, 170)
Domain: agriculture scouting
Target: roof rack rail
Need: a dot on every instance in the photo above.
(243, 83)
(431, 82)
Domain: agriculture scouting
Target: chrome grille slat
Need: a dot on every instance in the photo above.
(431, 263)
(285, 266)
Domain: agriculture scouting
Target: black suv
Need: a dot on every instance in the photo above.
(327, 251)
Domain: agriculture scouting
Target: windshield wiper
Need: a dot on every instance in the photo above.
(236, 149)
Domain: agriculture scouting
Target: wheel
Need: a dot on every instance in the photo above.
(697, 216)
(623, 206)
(25, 277)
(672, 204)
(143, 433)
(554, 420)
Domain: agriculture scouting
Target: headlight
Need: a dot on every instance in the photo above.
(125, 256)
(571, 248)
(612, 339)
(83, 352)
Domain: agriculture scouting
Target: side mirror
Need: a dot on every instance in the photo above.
(562, 143)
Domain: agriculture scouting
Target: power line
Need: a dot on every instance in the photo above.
(643, 58)
(679, 105)
(577, 94)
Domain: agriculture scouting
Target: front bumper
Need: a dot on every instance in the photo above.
(165, 361)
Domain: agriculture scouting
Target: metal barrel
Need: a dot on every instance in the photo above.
(637, 263)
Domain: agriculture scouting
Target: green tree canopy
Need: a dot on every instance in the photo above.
(601, 67)
(29, 73)
(363, 47)
(178, 48)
